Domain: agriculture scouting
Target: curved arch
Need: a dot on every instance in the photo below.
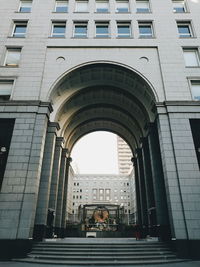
(90, 63)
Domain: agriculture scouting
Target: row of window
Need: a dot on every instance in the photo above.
(103, 29)
(102, 6)
(6, 87)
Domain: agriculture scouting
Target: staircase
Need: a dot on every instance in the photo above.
(99, 251)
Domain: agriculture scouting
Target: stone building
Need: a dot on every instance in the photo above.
(124, 156)
(70, 68)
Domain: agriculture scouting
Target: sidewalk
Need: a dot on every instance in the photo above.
(20, 264)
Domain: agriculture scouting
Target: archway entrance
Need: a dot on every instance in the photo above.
(105, 96)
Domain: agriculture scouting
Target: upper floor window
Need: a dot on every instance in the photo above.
(142, 6)
(19, 29)
(145, 29)
(80, 29)
(195, 87)
(122, 6)
(123, 29)
(25, 6)
(102, 29)
(61, 6)
(102, 6)
(6, 88)
(191, 57)
(58, 29)
(12, 57)
(179, 6)
(81, 6)
(184, 29)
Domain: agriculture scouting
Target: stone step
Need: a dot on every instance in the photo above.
(100, 258)
(99, 263)
(102, 253)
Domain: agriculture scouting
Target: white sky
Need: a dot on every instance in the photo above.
(96, 153)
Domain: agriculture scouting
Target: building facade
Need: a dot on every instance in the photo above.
(102, 189)
(70, 68)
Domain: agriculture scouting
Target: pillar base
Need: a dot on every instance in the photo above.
(187, 248)
(17, 248)
(39, 232)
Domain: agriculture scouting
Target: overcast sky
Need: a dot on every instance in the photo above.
(96, 153)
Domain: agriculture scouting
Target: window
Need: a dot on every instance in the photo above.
(145, 29)
(6, 88)
(142, 6)
(102, 6)
(184, 29)
(61, 6)
(123, 29)
(122, 6)
(58, 30)
(81, 6)
(12, 57)
(195, 88)
(191, 57)
(102, 30)
(25, 6)
(19, 29)
(80, 30)
(179, 6)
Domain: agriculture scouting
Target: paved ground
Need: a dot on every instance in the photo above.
(19, 264)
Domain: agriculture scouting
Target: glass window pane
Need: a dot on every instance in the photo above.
(13, 57)
(61, 6)
(142, 7)
(82, 6)
(25, 6)
(58, 31)
(123, 30)
(122, 7)
(191, 58)
(80, 31)
(195, 85)
(102, 31)
(179, 7)
(19, 30)
(102, 6)
(6, 87)
(184, 31)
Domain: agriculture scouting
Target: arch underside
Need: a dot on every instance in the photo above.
(103, 97)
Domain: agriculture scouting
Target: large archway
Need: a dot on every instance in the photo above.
(110, 97)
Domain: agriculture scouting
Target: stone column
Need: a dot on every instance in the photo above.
(158, 184)
(148, 185)
(64, 208)
(143, 200)
(45, 182)
(60, 195)
(137, 189)
(55, 174)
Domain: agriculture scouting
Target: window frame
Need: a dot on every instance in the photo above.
(102, 24)
(58, 23)
(122, 1)
(196, 53)
(7, 81)
(20, 6)
(120, 23)
(18, 23)
(184, 6)
(194, 80)
(102, 1)
(146, 23)
(80, 24)
(81, 1)
(143, 1)
(189, 26)
(60, 1)
(9, 49)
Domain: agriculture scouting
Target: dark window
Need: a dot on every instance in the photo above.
(195, 127)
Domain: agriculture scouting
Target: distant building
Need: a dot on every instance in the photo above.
(124, 157)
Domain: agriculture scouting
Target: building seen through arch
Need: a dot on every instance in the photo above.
(67, 71)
